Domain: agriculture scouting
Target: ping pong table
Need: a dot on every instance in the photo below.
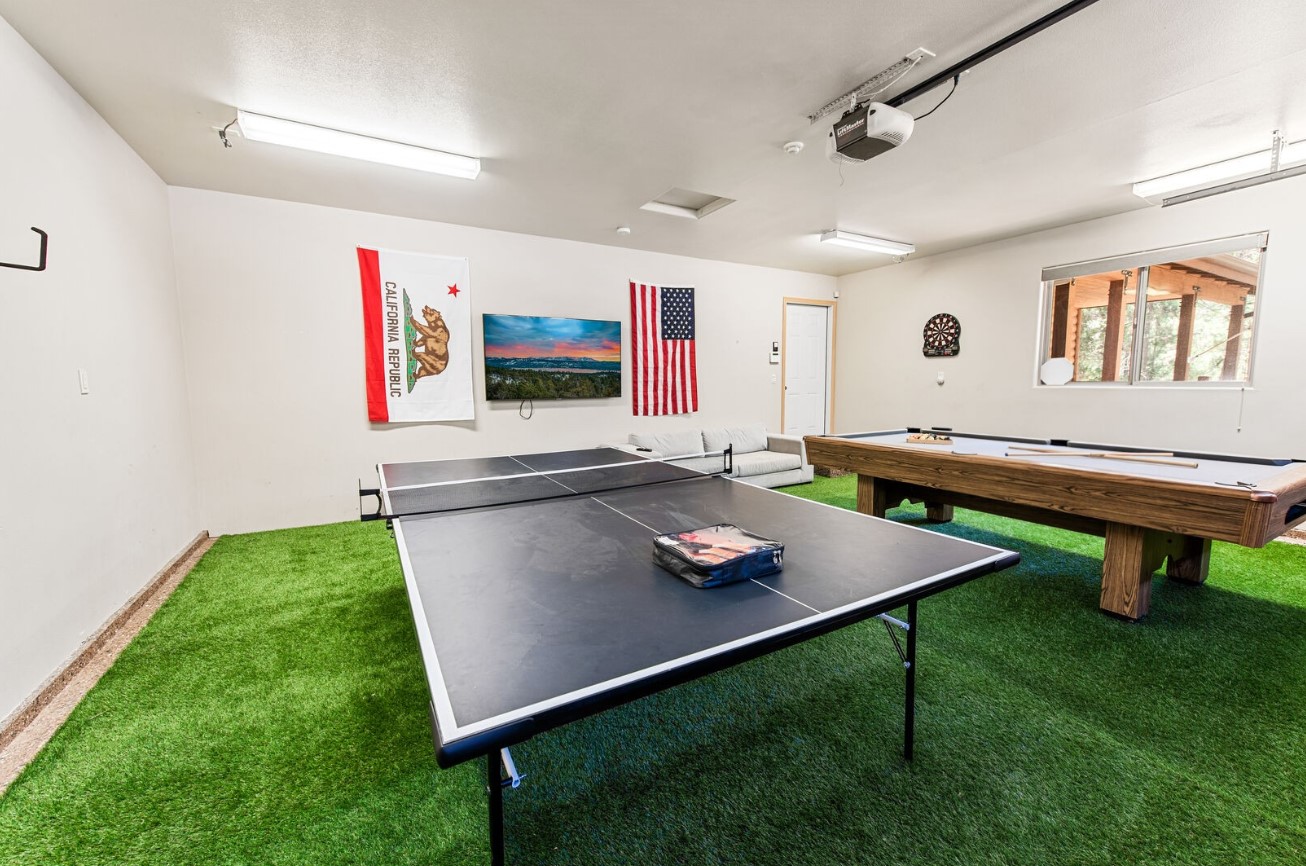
(537, 602)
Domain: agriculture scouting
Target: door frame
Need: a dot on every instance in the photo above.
(829, 353)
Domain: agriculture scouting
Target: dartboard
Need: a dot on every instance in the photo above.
(942, 336)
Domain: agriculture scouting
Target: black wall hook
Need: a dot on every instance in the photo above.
(45, 240)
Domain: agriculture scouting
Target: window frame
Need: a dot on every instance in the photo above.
(1141, 263)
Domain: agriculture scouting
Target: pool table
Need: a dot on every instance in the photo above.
(1152, 506)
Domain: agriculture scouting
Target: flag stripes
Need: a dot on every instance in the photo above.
(369, 269)
(663, 350)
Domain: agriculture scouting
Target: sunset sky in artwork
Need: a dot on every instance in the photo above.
(540, 337)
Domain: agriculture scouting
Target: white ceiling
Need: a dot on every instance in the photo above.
(582, 110)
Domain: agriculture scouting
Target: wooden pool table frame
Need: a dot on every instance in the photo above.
(1145, 520)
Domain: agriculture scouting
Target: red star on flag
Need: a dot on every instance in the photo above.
(453, 290)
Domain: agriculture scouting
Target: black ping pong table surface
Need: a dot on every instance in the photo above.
(537, 602)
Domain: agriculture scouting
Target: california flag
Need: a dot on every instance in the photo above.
(417, 319)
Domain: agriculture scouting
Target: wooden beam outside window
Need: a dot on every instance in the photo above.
(1184, 339)
(1231, 347)
(1115, 304)
(1060, 319)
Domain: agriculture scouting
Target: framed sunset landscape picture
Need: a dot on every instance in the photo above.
(541, 358)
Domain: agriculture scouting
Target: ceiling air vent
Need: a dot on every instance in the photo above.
(686, 203)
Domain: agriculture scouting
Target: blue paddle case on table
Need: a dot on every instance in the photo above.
(717, 555)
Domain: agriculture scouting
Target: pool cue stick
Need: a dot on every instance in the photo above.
(1064, 451)
(1111, 455)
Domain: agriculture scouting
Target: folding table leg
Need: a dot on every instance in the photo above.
(908, 658)
(909, 725)
(494, 787)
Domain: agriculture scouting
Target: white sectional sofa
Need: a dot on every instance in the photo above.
(761, 458)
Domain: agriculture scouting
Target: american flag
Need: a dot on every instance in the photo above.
(665, 378)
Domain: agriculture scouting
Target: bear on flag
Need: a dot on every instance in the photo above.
(417, 324)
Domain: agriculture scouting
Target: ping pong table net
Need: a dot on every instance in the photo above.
(540, 485)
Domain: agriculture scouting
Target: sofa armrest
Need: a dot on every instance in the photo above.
(787, 445)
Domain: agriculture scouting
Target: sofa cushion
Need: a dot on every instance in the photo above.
(706, 465)
(747, 439)
(684, 443)
(764, 462)
(780, 479)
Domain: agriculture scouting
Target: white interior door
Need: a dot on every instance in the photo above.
(806, 369)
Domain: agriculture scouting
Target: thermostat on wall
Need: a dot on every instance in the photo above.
(775, 353)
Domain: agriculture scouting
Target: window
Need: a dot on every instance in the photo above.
(1195, 322)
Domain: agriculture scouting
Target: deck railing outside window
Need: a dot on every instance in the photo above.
(1196, 323)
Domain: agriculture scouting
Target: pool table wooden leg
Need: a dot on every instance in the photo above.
(876, 496)
(938, 512)
(1132, 554)
(872, 496)
(1190, 559)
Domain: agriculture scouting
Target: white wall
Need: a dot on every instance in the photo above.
(100, 492)
(272, 317)
(994, 290)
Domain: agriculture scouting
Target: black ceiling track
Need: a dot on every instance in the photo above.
(985, 53)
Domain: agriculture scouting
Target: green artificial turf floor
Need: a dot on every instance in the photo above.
(274, 711)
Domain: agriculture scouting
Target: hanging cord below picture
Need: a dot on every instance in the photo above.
(40, 266)
(522, 411)
(222, 133)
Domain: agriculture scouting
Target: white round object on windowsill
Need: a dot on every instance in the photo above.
(1056, 371)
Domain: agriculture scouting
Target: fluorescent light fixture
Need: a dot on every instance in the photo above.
(1252, 163)
(864, 242)
(274, 130)
(1244, 183)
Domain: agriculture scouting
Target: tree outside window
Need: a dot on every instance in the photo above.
(1195, 323)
